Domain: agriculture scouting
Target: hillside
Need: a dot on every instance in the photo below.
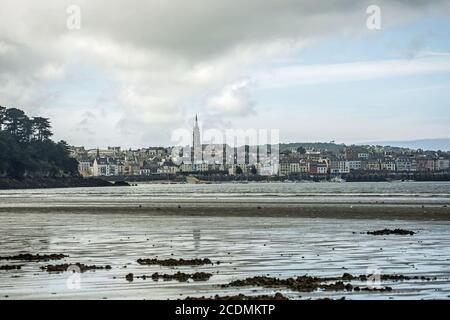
(26, 149)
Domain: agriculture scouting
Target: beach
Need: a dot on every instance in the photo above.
(276, 231)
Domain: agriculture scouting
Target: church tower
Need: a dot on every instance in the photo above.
(197, 154)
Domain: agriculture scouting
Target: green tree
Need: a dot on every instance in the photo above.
(2, 116)
(41, 128)
(17, 124)
(301, 150)
(21, 155)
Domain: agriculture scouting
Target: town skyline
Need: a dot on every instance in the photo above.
(290, 161)
(442, 144)
(225, 159)
(436, 144)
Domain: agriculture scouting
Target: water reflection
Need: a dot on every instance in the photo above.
(196, 235)
(245, 246)
(360, 192)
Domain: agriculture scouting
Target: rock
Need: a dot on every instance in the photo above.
(389, 232)
(121, 184)
(81, 267)
(180, 276)
(174, 262)
(277, 296)
(309, 284)
(129, 277)
(347, 277)
(56, 182)
(35, 257)
(9, 267)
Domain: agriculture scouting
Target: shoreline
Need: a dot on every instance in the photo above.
(7, 183)
(54, 183)
(324, 211)
(131, 255)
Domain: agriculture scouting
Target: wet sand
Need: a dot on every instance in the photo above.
(330, 211)
(278, 231)
(406, 201)
(245, 246)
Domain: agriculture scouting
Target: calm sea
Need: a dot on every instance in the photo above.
(308, 192)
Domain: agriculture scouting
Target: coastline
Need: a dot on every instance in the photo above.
(240, 248)
(48, 183)
(248, 231)
(8, 183)
(325, 211)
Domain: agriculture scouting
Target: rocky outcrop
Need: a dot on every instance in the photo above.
(40, 183)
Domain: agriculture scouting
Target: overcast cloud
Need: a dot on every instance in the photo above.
(138, 69)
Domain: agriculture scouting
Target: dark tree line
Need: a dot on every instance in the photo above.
(27, 150)
(17, 123)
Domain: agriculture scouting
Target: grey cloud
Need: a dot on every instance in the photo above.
(164, 53)
(197, 29)
(194, 29)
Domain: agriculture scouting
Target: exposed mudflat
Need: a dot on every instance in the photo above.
(266, 240)
(377, 200)
(220, 257)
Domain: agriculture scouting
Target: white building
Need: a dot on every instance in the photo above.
(443, 164)
(294, 167)
(104, 167)
(343, 167)
(354, 165)
(168, 167)
(322, 169)
(186, 166)
(85, 167)
(405, 164)
(284, 168)
(363, 155)
(388, 165)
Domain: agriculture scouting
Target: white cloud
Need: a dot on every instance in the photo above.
(6, 48)
(50, 72)
(355, 71)
(233, 100)
(167, 58)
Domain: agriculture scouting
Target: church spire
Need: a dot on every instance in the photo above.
(196, 143)
(196, 123)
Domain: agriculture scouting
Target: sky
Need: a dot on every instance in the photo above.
(135, 71)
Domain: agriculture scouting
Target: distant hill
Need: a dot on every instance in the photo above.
(320, 146)
(442, 144)
(397, 146)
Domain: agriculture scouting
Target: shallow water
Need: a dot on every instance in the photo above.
(245, 246)
(437, 193)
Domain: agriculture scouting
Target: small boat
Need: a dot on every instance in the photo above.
(337, 179)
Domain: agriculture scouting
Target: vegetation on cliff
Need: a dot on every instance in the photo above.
(26, 149)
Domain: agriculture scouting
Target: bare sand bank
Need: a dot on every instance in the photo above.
(328, 211)
(138, 256)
